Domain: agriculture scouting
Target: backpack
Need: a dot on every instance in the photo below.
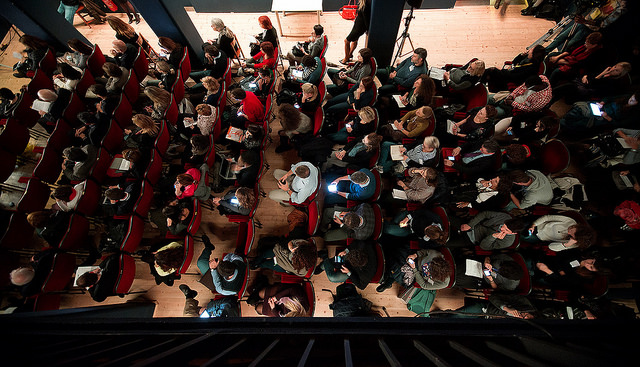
(347, 302)
(286, 96)
(224, 307)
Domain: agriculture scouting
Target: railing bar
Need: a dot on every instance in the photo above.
(348, 361)
(305, 355)
(434, 358)
(264, 353)
(137, 352)
(391, 358)
(222, 354)
(159, 357)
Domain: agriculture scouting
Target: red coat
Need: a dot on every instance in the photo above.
(190, 189)
(252, 107)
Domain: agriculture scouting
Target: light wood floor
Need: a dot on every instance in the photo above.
(450, 36)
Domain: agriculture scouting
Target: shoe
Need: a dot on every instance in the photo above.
(20, 75)
(319, 269)
(137, 18)
(207, 242)
(384, 286)
(188, 292)
(594, 149)
(130, 19)
(557, 247)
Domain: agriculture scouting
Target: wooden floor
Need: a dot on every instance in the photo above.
(450, 36)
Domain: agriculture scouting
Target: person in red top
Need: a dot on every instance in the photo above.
(187, 183)
(266, 58)
(251, 109)
(566, 66)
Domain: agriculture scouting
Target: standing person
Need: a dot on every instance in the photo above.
(68, 8)
(360, 27)
(124, 31)
(130, 10)
(267, 35)
(225, 37)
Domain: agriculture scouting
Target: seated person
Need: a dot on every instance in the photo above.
(478, 158)
(404, 74)
(239, 202)
(312, 47)
(616, 112)
(485, 194)
(310, 71)
(50, 225)
(357, 222)
(192, 183)
(165, 262)
(357, 128)
(420, 95)
(91, 132)
(504, 274)
(492, 230)
(164, 76)
(57, 104)
(608, 82)
(206, 120)
(358, 263)
(421, 184)
(178, 215)
(68, 77)
(411, 125)
(459, 79)
(422, 224)
(425, 154)
(107, 103)
(219, 307)
(524, 130)
(500, 304)
(264, 83)
(478, 125)
(246, 170)
(295, 185)
(586, 58)
(8, 102)
(563, 233)
(280, 300)
(295, 125)
(32, 277)
(227, 275)
(359, 96)
(535, 188)
(524, 65)
(102, 281)
(309, 100)
(78, 163)
(294, 257)
(356, 154)
(79, 55)
(67, 196)
(138, 163)
(116, 77)
(253, 137)
(341, 78)
(358, 186)
(171, 51)
(142, 134)
(121, 199)
(251, 109)
(561, 272)
(428, 268)
(266, 58)
(532, 96)
(123, 54)
(215, 64)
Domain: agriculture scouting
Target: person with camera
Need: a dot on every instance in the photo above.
(268, 34)
(312, 47)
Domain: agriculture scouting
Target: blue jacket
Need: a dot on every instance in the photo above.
(357, 192)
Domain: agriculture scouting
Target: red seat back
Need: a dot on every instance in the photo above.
(143, 204)
(154, 169)
(188, 254)
(48, 63)
(475, 96)
(126, 274)
(17, 231)
(101, 165)
(24, 113)
(133, 237)
(171, 115)
(315, 216)
(178, 87)
(123, 112)
(162, 140)
(377, 214)
(113, 139)
(185, 65)
(141, 65)
(49, 166)
(95, 61)
(132, 88)
(89, 201)
(39, 81)
(85, 82)
(325, 47)
(318, 120)
(62, 269)
(554, 157)
(380, 264)
(14, 137)
(75, 106)
(35, 197)
(194, 225)
(76, 234)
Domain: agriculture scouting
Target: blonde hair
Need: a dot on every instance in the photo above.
(432, 141)
(428, 112)
(204, 109)
(159, 96)
(479, 70)
(164, 67)
(210, 83)
(120, 26)
(295, 308)
(367, 114)
(310, 88)
(146, 124)
(361, 5)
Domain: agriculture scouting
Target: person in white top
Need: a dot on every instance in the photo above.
(563, 232)
(296, 185)
(67, 196)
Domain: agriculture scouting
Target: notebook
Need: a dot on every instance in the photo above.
(473, 268)
(235, 134)
(120, 164)
(450, 125)
(436, 73)
(396, 154)
(39, 105)
(399, 194)
(188, 122)
(398, 100)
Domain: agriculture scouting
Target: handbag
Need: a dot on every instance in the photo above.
(349, 11)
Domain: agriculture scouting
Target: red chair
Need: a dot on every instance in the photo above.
(95, 61)
(127, 273)
(89, 201)
(70, 114)
(318, 120)
(154, 169)
(85, 82)
(268, 110)
(188, 254)
(323, 64)
(123, 112)
(178, 88)
(380, 266)
(103, 162)
(211, 154)
(49, 166)
(113, 139)
(7, 164)
(141, 207)
(315, 216)
(46, 302)
(377, 213)
(14, 137)
(476, 96)
(196, 218)
(162, 140)
(222, 101)
(132, 88)
(524, 287)
(141, 65)
(24, 113)
(48, 63)
(185, 65)
(325, 47)
(134, 234)
(246, 236)
(322, 92)
(554, 157)
(76, 234)
(35, 197)
(17, 232)
(62, 269)
(39, 81)
(171, 115)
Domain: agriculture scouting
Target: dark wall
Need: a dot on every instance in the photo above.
(218, 6)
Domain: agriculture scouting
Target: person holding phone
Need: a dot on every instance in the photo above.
(359, 186)
(296, 256)
(357, 222)
(428, 268)
(357, 263)
(296, 185)
(239, 201)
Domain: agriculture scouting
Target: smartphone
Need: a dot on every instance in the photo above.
(410, 261)
(402, 225)
(253, 85)
(487, 273)
(338, 259)
(333, 188)
(296, 105)
(509, 132)
(234, 200)
(239, 113)
(205, 315)
(349, 125)
(530, 232)
(451, 158)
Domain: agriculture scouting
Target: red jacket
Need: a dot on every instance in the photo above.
(190, 190)
(252, 107)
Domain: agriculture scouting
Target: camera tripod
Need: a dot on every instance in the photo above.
(403, 37)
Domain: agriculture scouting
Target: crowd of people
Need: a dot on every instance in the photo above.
(425, 180)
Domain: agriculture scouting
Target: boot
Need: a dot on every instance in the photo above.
(188, 292)
(386, 284)
(137, 16)
(207, 242)
(130, 18)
